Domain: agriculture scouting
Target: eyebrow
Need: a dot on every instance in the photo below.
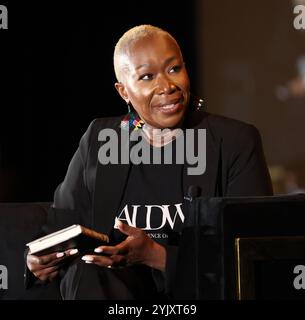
(168, 60)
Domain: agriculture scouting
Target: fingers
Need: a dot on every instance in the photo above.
(35, 263)
(35, 266)
(71, 252)
(121, 248)
(46, 267)
(39, 260)
(46, 273)
(46, 259)
(102, 261)
(49, 258)
(126, 229)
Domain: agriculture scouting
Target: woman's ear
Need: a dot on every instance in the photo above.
(122, 91)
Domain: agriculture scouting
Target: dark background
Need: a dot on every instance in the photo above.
(251, 55)
(59, 77)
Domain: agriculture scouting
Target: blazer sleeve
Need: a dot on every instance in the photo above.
(72, 199)
(247, 173)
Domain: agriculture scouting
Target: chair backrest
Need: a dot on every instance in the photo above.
(19, 224)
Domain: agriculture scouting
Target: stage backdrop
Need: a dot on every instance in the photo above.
(252, 67)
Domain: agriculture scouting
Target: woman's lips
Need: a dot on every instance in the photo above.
(169, 108)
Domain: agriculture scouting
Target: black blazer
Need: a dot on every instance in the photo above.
(91, 193)
(235, 167)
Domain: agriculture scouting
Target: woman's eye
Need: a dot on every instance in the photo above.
(175, 69)
(146, 76)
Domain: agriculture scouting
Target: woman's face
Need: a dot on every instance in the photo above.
(155, 81)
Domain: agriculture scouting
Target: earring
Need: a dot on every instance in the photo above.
(197, 103)
(128, 106)
(132, 120)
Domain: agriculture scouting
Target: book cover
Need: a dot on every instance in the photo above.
(75, 236)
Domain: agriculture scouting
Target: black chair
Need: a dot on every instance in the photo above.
(19, 224)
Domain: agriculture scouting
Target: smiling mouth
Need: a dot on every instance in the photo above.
(171, 107)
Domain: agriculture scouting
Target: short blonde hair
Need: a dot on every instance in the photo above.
(132, 35)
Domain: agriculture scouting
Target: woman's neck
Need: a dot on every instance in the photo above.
(159, 137)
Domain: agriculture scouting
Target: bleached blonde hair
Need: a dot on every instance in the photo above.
(133, 35)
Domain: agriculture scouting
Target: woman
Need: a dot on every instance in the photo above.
(141, 205)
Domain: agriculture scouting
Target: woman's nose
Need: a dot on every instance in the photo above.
(166, 86)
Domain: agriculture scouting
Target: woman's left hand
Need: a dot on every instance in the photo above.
(137, 248)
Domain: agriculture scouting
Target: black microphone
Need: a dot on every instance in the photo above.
(192, 193)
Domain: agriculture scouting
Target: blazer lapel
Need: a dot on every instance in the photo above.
(210, 181)
(110, 184)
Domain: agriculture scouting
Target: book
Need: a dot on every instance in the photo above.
(74, 236)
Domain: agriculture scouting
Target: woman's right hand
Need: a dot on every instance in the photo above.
(46, 267)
